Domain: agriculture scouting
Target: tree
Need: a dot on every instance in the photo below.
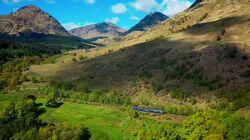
(203, 125)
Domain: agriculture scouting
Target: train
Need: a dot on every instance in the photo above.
(158, 111)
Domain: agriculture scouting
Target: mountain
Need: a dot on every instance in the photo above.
(99, 32)
(31, 19)
(201, 50)
(148, 22)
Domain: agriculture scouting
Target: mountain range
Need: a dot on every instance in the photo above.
(98, 33)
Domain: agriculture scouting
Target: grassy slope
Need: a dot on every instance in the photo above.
(193, 48)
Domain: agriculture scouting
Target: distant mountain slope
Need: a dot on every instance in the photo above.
(148, 22)
(97, 32)
(31, 19)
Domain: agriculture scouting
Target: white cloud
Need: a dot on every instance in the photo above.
(134, 18)
(119, 8)
(114, 20)
(90, 1)
(145, 5)
(168, 7)
(172, 7)
(71, 25)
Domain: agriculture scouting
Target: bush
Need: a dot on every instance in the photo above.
(246, 74)
(52, 103)
(157, 86)
(223, 31)
(179, 94)
(33, 79)
(219, 38)
(73, 60)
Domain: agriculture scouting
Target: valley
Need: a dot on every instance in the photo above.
(83, 83)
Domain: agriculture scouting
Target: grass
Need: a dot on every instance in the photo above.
(104, 123)
(7, 98)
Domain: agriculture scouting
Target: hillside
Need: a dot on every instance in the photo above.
(100, 33)
(149, 21)
(186, 78)
(195, 50)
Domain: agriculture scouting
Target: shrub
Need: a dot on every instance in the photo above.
(73, 60)
(157, 86)
(219, 38)
(246, 74)
(179, 94)
(223, 31)
(52, 103)
(204, 125)
(33, 79)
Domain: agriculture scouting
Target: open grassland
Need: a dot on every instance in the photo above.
(104, 123)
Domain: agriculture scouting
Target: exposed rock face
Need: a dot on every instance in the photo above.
(149, 21)
(31, 19)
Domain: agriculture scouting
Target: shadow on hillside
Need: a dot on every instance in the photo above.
(216, 26)
(163, 61)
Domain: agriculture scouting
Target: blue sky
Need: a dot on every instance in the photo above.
(75, 13)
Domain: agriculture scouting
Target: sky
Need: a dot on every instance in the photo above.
(76, 13)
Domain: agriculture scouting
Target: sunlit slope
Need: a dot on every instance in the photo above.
(204, 48)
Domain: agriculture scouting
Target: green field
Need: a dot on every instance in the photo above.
(105, 123)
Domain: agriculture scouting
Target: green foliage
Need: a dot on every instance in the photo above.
(71, 133)
(157, 86)
(11, 51)
(19, 121)
(203, 125)
(180, 110)
(132, 113)
(215, 125)
(155, 131)
(33, 79)
(179, 94)
(11, 72)
(53, 103)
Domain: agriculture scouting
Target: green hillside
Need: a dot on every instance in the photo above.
(194, 67)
